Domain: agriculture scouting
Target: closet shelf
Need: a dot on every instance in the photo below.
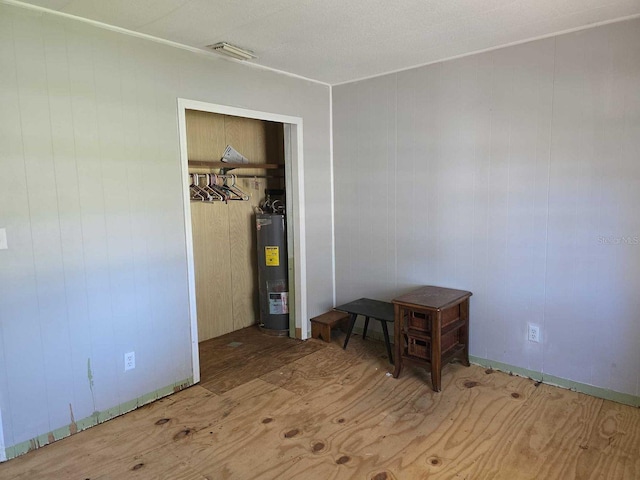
(231, 166)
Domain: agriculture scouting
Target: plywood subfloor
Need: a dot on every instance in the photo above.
(238, 357)
(313, 411)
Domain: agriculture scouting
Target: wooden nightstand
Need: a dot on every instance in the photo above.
(431, 328)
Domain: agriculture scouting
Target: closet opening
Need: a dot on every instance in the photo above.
(244, 224)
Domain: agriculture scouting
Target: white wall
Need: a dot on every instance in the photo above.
(511, 174)
(91, 197)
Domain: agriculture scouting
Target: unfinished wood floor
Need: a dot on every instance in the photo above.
(278, 408)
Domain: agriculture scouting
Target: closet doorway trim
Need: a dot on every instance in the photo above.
(294, 185)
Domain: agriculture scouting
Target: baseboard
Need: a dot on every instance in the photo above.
(599, 392)
(95, 419)
(594, 391)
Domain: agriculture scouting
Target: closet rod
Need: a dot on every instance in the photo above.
(228, 175)
(256, 176)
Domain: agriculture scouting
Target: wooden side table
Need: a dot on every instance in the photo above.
(431, 328)
(381, 311)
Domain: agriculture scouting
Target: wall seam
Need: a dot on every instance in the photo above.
(28, 201)
(546, 226)
(395, 184)
(333, 198)
(108, 248)
(56, 187)
(81, 210)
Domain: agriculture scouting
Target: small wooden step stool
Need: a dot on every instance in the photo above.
(322, 324)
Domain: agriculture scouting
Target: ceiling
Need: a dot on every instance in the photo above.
(336, 41)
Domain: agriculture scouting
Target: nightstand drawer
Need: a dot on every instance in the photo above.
(419, 321)
(419, 347)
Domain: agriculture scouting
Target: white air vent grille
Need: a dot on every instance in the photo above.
(233, 51)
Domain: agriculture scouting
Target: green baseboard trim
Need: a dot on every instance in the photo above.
(94, 419)
(619, 397)
(599, 392)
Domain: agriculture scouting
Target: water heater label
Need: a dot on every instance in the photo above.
(272, 256)
(278, 303)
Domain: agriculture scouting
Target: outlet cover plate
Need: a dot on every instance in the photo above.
(534, 333)
(129, 361)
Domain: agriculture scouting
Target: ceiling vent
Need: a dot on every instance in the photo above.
(232, 51)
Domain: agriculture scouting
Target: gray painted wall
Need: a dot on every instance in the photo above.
(514, 174)
(91, 197)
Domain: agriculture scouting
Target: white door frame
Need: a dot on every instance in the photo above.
(294, 178)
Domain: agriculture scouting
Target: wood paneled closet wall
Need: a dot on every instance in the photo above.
(224, 235)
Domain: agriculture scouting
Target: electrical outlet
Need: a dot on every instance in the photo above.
(129, 361)
(534, 333)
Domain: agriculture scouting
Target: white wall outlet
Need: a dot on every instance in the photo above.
(3, 239)
(129, 361)
(534, 333)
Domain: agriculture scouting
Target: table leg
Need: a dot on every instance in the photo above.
(464, 332)
(397, 335)
(436, 352)
(352, 322)
(366, 325)
(386, 340)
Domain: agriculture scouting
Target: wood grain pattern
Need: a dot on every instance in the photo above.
(334, 413)
(212, 264)
(205, 136)
(157, 464)
(88, 447)
(244, 264)
(248, 136)
(224, 234)
(230, 360)
(275, 149)
(612, 445)
(314, 371)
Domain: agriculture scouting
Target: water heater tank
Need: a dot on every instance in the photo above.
(273, 272)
